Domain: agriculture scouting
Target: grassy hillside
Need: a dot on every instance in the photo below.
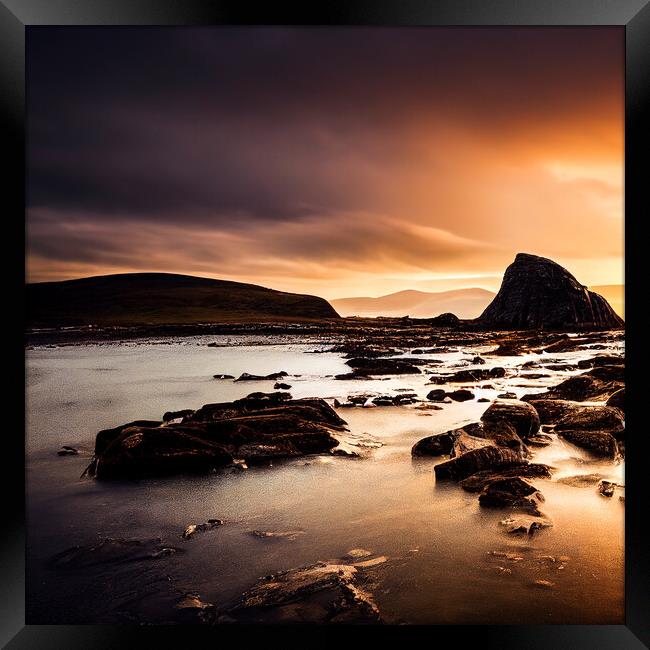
(164, 298)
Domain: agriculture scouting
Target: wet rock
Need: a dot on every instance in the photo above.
(538, 293)
(580, 480)
(543, 584)
(281, 386)
(466, 442)
(521, 416)
(551, 411)
(594, 418)
(478, 481)
(475, 374)
(512, 492)
(223, 376)
(486, 458)
(367, 367)
(601, 443)
(192, 529)
(478, 360)
(256, 428)
(437, 395)
(110, 551)
(525, 524)
(438, 445)
(174, 415)
(67, 451)
(274, 375)
(325, 593)
(460, 395)
(539, 440)
(608, 360)
(596, 384)
(483, 399)
(606, 488)
(617, 400)
(289, 535)
(507, 396)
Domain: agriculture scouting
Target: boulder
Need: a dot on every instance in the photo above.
(367, 367)
(600, 443)
(594, 418)
(617, 400)
(486, 458)
(520, 415)
(256, 428)
(551, 411)
(478, 481)
(512, 492)
(460, 395)
(438, 445)
(248, 377)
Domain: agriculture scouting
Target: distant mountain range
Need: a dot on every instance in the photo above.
(164, 298)
(465, 303)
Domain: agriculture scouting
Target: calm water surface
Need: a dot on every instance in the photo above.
(436, 537)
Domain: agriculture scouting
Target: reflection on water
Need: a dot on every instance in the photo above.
(441, 546)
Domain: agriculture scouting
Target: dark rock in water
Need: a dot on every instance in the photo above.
(482, 399)
(110, 551)
(444, 320)
(437, 395)
(596, 384)
(594, 418)
(325, 592)
(366, 367)
(538, 293)
(512, 492)
(478, 360)
(606, 488)
(551, 411)
(259, 427)
(461, 395)
(466, 442)
(478, 481)
(507, 396)
(476, 374)
(223, 376)
(173, 415)
(192, 529)
(248, 377)
(601, 443)
(106, 436)
(580, 480)
(438, 445)
(608, 360)
(486, 458)
(281, 386)
(522, 416)
(617, 400)
(500, 432)
(67, 451)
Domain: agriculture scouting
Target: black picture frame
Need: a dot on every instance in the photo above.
(16, 16)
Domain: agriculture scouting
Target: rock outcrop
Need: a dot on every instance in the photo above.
(257, 429)
(539, 293)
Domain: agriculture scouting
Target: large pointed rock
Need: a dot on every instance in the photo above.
(539, 293)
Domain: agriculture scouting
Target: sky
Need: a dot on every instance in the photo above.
(331, 161)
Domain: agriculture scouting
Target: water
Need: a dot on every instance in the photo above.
(437, 538)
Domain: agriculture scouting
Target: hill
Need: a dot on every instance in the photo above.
(538, 293)
(465, 303)
(164, 298)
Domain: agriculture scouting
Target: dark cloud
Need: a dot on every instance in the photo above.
(324, 145)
